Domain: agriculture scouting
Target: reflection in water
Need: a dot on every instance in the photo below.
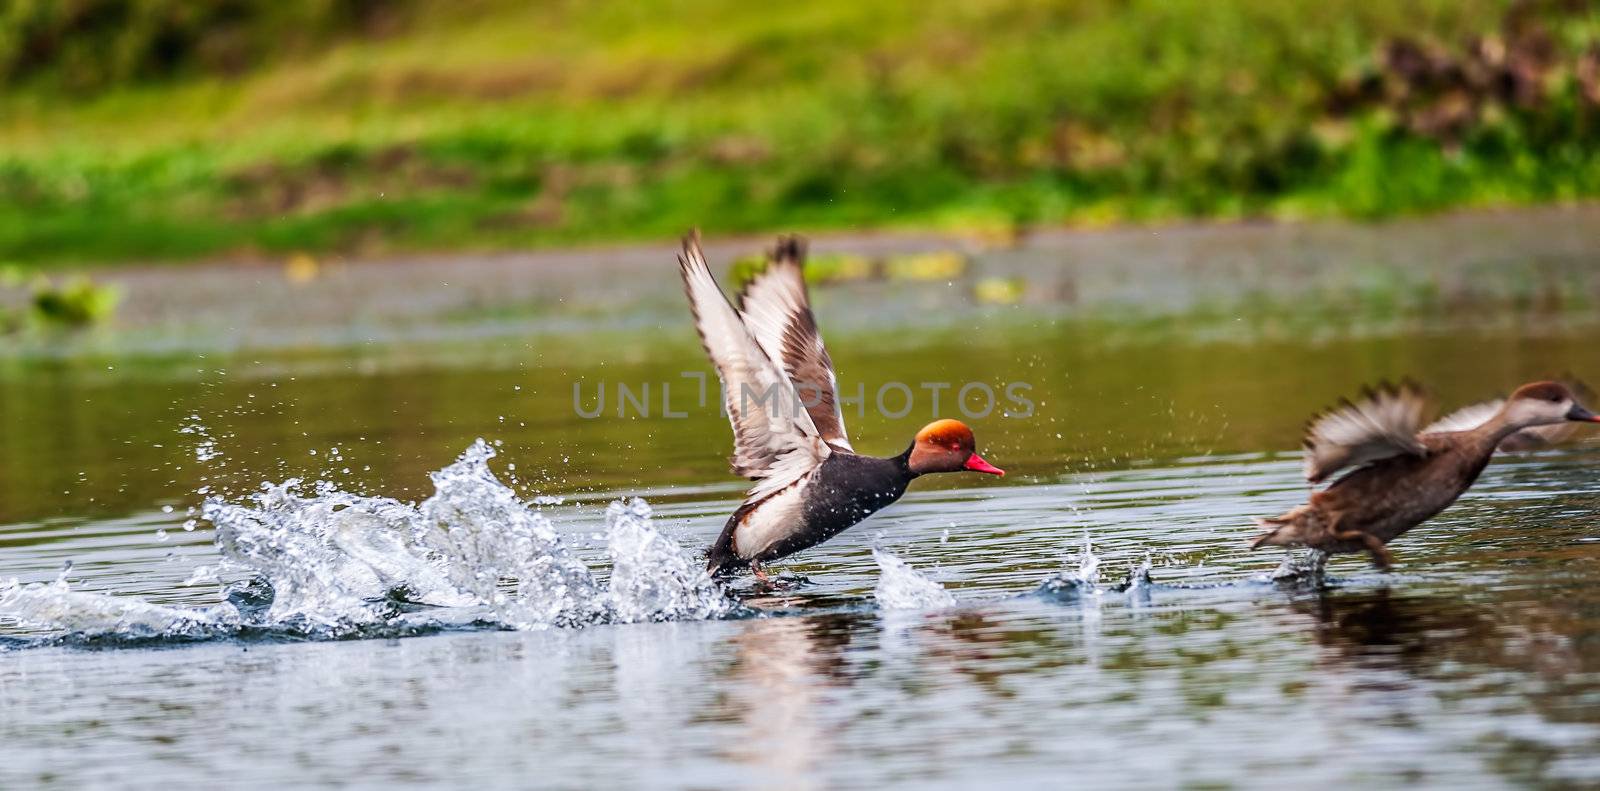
(1422, 633)
(1421, 653)
(783, 672)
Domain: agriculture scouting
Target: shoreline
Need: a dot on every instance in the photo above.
(1300, 277)
(879, 241)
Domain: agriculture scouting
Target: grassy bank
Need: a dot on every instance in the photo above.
(493, 124)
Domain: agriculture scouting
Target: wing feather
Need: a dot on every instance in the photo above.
(777, 308)
(1466, 418)
(1381, 425)
(775, 442)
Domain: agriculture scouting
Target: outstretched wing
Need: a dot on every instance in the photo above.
(1383, 423)
(777, 310)
(1466, 418)
(774, 441)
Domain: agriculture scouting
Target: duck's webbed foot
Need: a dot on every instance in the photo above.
(761, 574)
(1382, 558)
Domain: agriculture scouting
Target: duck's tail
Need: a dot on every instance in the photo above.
(720, 558)
(1290, 529)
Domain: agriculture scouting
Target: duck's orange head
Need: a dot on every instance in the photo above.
(948, 446)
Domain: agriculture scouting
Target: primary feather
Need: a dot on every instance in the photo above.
(775, 442)
(776, 307)
(1384, 423)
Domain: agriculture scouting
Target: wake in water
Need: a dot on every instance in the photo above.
(336, 564)
(1082, 585)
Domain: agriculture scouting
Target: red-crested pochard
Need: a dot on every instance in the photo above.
(1404, 474)
(809, 483)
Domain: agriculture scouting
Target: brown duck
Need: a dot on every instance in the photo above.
(1402, 476)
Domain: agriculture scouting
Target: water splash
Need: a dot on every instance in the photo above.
(334, 564)
(1138, 584)
(1310, 568)
(477, 531)
(901, 587)
(651, 577)
(205, 445)
(1088, 563)
(54, 605)
(1071, 584)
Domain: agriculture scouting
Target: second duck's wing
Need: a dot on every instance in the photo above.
(1466, 418)
(1382, 424)
(775, 442)
(777, 308)
(1533, 438)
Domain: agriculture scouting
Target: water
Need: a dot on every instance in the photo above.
(410, 605)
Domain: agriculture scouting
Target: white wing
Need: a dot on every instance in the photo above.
(777, 310)
(775, 442)
(1381, 425)
(1466, 418)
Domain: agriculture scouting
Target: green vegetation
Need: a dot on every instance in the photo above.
(74, 304)
(489, 123)
(79, 302)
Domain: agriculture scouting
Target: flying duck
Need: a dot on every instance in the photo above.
(1402, 476)
(781, 396)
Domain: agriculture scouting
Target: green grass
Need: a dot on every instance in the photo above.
(495, 124)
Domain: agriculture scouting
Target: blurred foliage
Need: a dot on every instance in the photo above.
(827, 268)
(1000, 290)
(821, 268)
(89, 45)
(933, 265)
(487, 124)
(76, 303)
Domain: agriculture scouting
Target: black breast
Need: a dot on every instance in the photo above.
(843, 491)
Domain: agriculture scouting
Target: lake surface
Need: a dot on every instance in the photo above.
(423, 608)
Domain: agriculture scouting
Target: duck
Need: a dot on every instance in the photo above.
(780, 393)
(1402, 474)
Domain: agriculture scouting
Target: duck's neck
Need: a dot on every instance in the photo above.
(1494, 430)
(903, 462)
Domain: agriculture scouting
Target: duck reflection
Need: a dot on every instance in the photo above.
(784, 671)
(989, 651)
(1424, 633)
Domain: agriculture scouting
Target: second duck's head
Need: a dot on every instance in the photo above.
(1545, 403)
(947, 446)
